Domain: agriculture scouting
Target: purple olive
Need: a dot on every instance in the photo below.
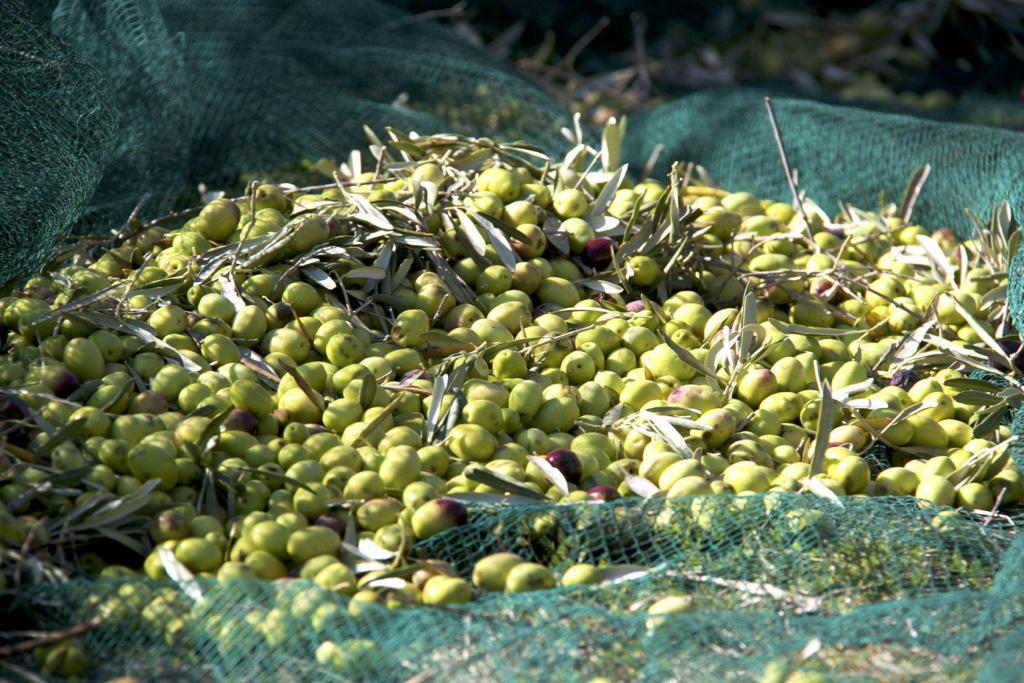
(603, 493)
(904, 379)
(1012, 348)
(282, 312)
(636, 306)
(1009, 346)
(415, 374)
(823, 288)
(598, 251)
(241, 421)
(678, 395)
(454, 510)
(566, 462)
(436, 516)
(332, 522)
(62, 382)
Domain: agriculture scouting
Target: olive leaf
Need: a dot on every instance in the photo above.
(792, 328)
(68, 431)
(983, 334)
(690, 359)
(966, 383)
(479, 498)
(77, 304)
(604, 198)
(104, 512)
(602, 286)
(179, 573)
(940, 264)
(551, 473)
(843, 393)
(641, 486)
(471, 235)
(617, 573)
(993, 458)
(990, 422)
(977, 398)
(312, 394)
(320, 277)
(230, 291)
(909, 345)
(748, 318)
(826, 414)
(663, 426)
(496, 480)
(372, 551)
(815, 486)
(367, 212)
(498, 240)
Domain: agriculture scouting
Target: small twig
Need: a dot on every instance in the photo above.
(790, 179)
(653, 159)
(640, 49)
(687, 174)
(133, 220)
(173, 215)
(995, 506)
(456, 11)
(248, 227)
(380, 164)
(580, 45)
(24, 673)
(586, 172)
(49, 638)
(274, 379)
(913, 191)
(410, 389)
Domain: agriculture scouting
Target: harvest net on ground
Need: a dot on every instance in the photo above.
(295, 349)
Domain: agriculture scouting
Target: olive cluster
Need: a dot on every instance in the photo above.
(297, 390)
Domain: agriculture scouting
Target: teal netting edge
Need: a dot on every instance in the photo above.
(498, 636)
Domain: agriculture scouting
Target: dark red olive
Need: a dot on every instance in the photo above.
(603, 492)
(904, 379)
(453, 510)
(332, 522)
(62, 382)
(566, 462)
(241, 421)
(598, 252)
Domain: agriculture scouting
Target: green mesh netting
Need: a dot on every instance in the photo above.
(108, 100)
(201, 94)
(57, 121)
(888, 594)
(839, 153)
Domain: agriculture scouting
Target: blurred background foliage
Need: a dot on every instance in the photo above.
(949, 59)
